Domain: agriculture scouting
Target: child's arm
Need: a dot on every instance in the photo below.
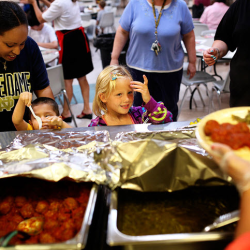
(17, 116)
(156, 112)
(55, 122)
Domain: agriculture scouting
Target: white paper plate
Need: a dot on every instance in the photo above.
(221, 116)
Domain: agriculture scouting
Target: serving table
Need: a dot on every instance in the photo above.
(98, 231)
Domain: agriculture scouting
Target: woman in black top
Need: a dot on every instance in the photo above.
(234, 33)
(21, 64)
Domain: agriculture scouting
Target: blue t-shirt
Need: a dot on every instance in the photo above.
(138, 20)
(25, 73)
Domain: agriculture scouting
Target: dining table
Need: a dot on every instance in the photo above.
(202, 43)
(49, 55)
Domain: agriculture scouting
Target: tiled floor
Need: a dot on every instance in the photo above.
(186, 113)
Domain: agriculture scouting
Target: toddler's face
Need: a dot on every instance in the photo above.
(121, 99)
(42, 110)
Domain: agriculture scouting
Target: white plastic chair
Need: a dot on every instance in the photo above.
(107, 21)
(200, 77)
(90, 30)
(116, 3)
(85, 16)
(220, 87)
(108, 8)
(208, 33)
(55, 75)
(199, 27)
(114, 10)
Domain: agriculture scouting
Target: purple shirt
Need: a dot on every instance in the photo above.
(154, 111)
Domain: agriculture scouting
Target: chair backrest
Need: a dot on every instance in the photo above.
(55, 75)
(208, 33)
(107, 19)
(85, 16)
(199, 27)
(114, 10)
(227, 83)
(90, 30)
(223, 85)
(108, 8)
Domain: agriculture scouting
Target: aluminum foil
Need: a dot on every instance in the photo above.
(183, 137)
(54, 156)
(154, 165)
(144, 161)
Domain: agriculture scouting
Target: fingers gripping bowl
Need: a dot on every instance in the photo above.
(222, 116)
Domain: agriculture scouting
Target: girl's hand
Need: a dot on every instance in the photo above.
(142, 88)
(210, 56)
(26, 98)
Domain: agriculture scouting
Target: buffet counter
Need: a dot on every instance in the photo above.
(123, 160)
(7, 137)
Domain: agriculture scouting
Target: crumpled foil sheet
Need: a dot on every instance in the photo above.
(183, 137)
(59, 140)
(144, 161)
(54, 156)
(151, 165)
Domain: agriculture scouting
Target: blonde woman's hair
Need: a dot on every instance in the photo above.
(105, 85)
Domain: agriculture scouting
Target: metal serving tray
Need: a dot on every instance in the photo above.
(79, 241)
(187, 241)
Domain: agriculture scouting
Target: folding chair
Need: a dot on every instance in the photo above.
(107, 21)
(85, 16)
(220, 87)
(199, 78)
(208, 33)
(55, 75)
(199, 27)
(90, 30)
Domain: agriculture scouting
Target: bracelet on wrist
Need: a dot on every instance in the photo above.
(218, 53)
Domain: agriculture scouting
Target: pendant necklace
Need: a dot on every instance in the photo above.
(156, 47)
(4, 65)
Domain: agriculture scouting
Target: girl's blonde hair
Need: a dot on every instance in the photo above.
(105, 84)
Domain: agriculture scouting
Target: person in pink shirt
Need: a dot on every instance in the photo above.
(213, 14)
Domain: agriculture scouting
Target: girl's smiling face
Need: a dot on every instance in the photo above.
(121, 98)
(12, 42)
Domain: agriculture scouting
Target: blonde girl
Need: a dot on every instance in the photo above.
(114, 97)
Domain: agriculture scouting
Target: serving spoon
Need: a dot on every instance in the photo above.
(223, 220)
(25, 229)
(39, 120)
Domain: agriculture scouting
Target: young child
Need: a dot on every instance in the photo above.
(44, 107)
(114, 97)
(102, 5)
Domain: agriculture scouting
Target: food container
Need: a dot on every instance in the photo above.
(80, 239)
(186, 240)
